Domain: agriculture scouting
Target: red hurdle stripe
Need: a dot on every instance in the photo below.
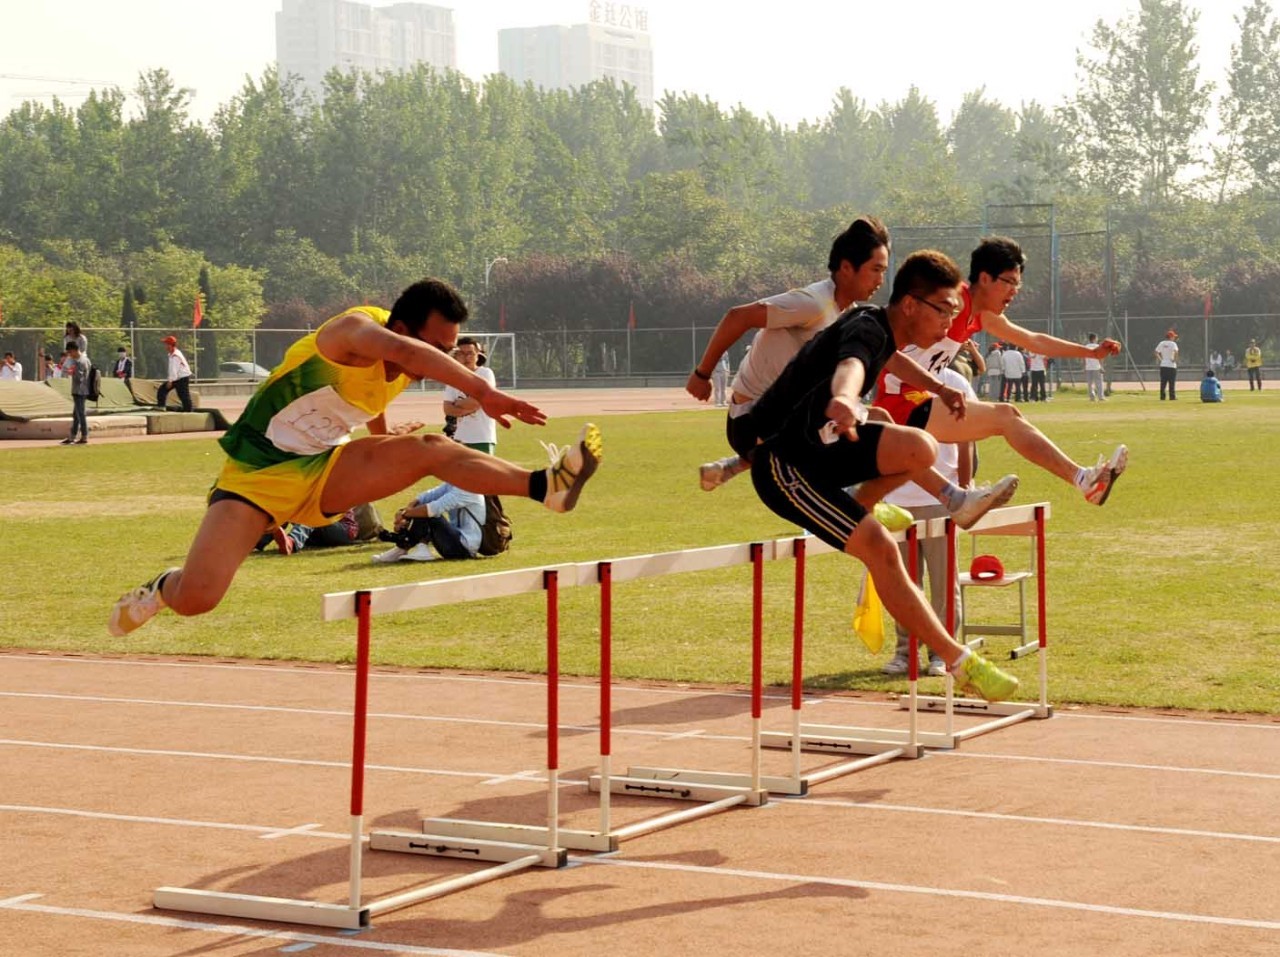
(797, 636)
(604, 573)
(362, 702)
(1040, 570)
(951, 578)
(551, 581)
(757, 629)
(913, 643)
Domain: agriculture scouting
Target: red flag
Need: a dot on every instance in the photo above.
(197, 314)
(502, 317)
(1208, 304)
(631, 317)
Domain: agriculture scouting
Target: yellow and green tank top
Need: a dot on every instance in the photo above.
(309, 404)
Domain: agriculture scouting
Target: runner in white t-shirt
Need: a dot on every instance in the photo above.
(1167, 352)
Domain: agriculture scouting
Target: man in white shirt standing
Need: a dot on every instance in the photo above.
(1167, 352)
(11, 368)
(995, 373)
(1015, 367)
(475, 430)
(1093, 373)
(179, 379)
(1035, 364)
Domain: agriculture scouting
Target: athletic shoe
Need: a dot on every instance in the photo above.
(137, 607)
(980, 676)
(937, 668)
(284, 541)
(419, 553)
(67, 441)
(978, 501)
(1100, 479)
(893, 517)
(83, 440)
(897, 665)
(390, 555)
(571, 467)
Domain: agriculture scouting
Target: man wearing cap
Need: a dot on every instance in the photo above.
(1167, 353)
(179, 376)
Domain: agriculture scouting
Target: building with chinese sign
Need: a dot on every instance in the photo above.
(614, 44)
(314, 36)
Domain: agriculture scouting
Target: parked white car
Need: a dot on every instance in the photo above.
(242, 370)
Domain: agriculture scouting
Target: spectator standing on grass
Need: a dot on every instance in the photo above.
(1229, 363)
(50, 368)
(179, 379)
(1015, 367)
(1167, 352)
(1093, 373)
(1253, 364)
(78, 367)
(995, 373)
(720, 380)
(1035, 364)
(474, 429)
(10, 368)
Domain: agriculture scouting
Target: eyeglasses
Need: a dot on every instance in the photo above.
(1014, 284)
(950, 310)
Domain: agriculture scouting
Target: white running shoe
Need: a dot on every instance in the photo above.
(571, 467)
(137, 607)
(979, 501)
(897, 665)
(389, 556)
(1100, 479)
(419, 553)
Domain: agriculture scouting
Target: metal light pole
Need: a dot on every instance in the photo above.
(488, 266)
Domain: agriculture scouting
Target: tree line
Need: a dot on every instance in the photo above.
(596, 209)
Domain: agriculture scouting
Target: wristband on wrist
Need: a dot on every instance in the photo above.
(701, 375)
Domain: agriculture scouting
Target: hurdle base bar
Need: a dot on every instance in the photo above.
(1030, 648)
(937, 703)
(839, 739)
(772, 783)
(532, 835)
(282, 910)
(441, 845)
(681, 791)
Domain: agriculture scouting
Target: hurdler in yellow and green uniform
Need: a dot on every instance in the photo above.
(288, 439)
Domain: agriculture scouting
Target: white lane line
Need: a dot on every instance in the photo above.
(259, 759)
(721, 872)
(337, 713)
(1026, 819)
(266, 833)
(1176, 769)
(234, 930)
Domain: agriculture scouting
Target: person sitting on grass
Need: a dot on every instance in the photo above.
(294, 537)
(446, 516)
(1210, 387)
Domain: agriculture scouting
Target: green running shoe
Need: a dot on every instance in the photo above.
(981, 677)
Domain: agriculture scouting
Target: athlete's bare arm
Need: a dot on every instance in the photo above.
(737, 322)
(999, 325)
(355, 339)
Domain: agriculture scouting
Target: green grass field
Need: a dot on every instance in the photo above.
(1163, 598)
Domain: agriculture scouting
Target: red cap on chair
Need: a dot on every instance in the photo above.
(986, 568)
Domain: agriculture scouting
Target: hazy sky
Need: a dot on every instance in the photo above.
(787, 58)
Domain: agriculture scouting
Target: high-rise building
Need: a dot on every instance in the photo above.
(560, 57)
(314, 36)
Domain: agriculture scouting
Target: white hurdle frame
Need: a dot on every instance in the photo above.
(1027, 520)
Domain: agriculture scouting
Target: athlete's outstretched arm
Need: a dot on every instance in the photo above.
(737, 322)
(999, 325)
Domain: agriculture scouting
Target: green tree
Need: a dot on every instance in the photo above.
(1141, 103)
(1250, 110)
